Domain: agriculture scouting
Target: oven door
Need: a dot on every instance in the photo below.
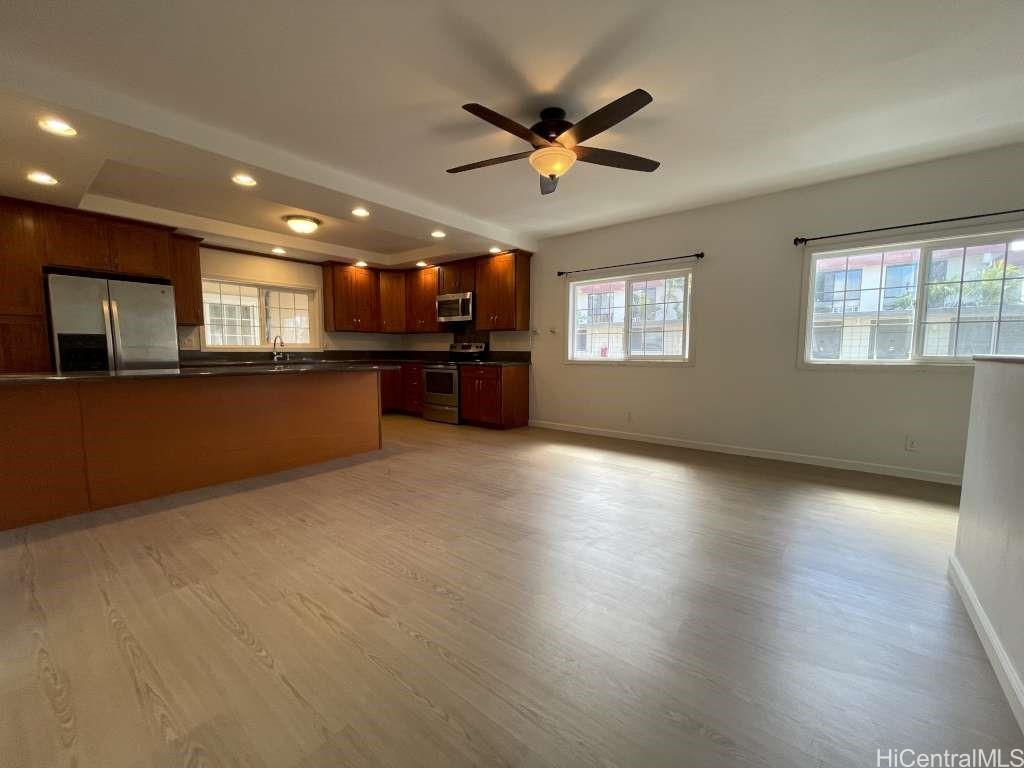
(454, 307)
(441, 386)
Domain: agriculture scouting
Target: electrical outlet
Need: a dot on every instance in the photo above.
(910, 443)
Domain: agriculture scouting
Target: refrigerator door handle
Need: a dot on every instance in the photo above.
(110, 335)
(118, 357)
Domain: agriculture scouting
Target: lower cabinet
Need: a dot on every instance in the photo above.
(412, 388)
(495, 395)
(391, 390)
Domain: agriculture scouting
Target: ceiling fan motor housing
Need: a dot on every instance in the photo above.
(552, 123)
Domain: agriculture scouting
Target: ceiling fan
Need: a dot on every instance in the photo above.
(557, 142)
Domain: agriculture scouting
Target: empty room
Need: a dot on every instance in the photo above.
(448, 383)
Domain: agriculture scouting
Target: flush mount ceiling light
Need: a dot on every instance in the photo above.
(495, 249)
(421, 263)
(361, 263)
(438, 234)
(304, 225)
(279, 251)
(361, 212)
(41, 177)
(552, 162)
(244, 180)
(57, 127)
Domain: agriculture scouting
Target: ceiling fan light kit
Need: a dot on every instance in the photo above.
(557, 143)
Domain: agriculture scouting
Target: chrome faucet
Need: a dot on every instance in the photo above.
(279, 356)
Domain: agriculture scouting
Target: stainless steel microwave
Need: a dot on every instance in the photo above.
(454, 307)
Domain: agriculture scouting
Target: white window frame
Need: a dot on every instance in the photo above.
(926, 241)
(315, 318)
(632, 360)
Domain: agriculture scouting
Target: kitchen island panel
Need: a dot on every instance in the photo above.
(151, 438)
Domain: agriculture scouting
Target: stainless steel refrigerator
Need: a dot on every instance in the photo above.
(104, 324)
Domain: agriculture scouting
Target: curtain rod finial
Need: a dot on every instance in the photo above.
(799, 240)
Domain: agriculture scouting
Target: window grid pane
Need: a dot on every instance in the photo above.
(630, 318)
(870, 306)
(239, 315)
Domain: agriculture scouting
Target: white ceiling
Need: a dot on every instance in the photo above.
(364, 98)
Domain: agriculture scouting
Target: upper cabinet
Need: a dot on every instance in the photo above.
(351, 298)
(21, 278)
(137, 249)
(392, 301)
(421, 300)
(503, 292)
(186, 276)
(457, 277)
(76, 239)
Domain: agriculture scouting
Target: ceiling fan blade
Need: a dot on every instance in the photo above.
(506, 124)
(548, 185)
(615, 159)
(492, 161)
(605, 118)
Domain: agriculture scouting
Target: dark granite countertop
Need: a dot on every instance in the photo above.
(194, 372)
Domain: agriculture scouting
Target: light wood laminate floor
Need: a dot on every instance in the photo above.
(469, 597)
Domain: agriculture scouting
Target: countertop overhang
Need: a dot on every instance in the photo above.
(194, 372)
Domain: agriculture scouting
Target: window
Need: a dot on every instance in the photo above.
(638, 317)
(938, 301)
(238, 315)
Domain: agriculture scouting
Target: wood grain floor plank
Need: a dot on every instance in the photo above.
(467, 597)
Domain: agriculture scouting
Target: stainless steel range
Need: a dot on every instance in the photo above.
(441, 382)
(441, 392)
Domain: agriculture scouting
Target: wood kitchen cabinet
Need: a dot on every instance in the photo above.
(24, 344)
(391, 392)
(412, 388)
(21, 258)
(76, 239)
(351, 298)
(187, 279)
(457, 277)
(137, 249)
(495, 395)
(421, 301)
(503, 292)
(392, 301)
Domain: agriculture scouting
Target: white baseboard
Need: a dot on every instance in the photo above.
(1006, 671)
(760, 453)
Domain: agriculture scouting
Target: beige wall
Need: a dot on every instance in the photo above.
(988, 566)
(745, 392)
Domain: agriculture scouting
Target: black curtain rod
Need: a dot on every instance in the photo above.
(801, 240)
(698, 256)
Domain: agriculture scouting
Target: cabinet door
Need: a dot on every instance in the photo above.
(186, 276)
(21, 259)
(366, 285)
(412, 388)
(72, 239)
(392, 302)
(24, 345)
(391, 390)
(489, 396)
(496, 292)
(456, 277)
(421, 304)
(355, 298)
(140, 250)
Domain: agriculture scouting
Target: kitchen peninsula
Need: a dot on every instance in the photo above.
(87, 441)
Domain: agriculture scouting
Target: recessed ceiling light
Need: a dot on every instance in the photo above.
(304, 225)
(57, 127)
(421, 263)
(361, 212)
(244, 180)
(279, 251)
(437, 233)
(361, 263)
(495, 249)
(41, 177)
